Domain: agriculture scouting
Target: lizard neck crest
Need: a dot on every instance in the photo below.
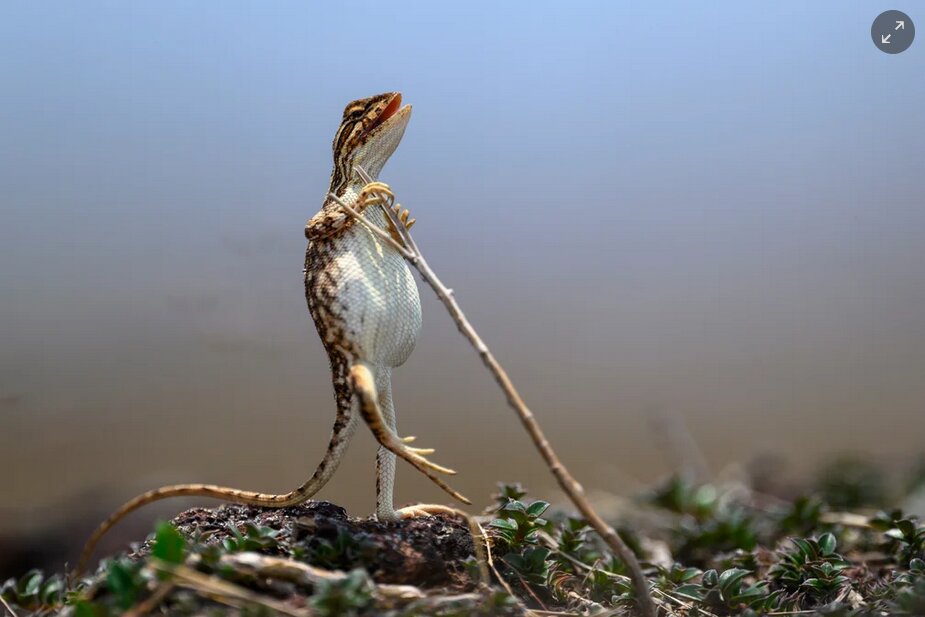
(369, 133)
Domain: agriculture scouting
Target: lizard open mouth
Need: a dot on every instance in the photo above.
(390, 111)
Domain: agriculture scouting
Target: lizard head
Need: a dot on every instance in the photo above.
(368, 135)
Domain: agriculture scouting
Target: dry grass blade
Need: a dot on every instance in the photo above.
(8, 607)
(302, 574)
(222, 591)
(491, 564)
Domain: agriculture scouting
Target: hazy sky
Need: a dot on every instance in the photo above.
(709, 210)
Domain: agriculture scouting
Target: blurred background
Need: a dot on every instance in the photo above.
(703, 220)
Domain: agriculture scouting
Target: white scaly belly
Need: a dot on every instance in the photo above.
(379, 305)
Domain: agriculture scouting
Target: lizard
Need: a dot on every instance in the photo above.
(366, 308)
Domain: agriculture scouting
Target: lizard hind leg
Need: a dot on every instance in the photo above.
(385, 458)
(364, 385)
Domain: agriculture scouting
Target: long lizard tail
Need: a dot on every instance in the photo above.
(344, 428)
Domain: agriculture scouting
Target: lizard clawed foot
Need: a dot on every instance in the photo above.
(417, 450)
(403, 216)
(373, 193)
(415, 456)
(379, 193)
(364, 386)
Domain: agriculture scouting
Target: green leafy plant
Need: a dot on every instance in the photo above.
(124, 582)
(531, 564)
(680, 580)
(905, 536)
(346, 597)
(708, 524)
(573, 543)
(254, 538)
(682, 496)
(803, 516)
(343, 552)
(607, 583)
(518, 524)
(732, 552)
(908, 590)
(169, 544)
(507, 493)
(811, 567)
(33, 590)
(733, 590)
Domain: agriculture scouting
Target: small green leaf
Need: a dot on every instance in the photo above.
(881, 521)
(804, 548)
(815, 583)
(503, 523)
(515, 561)
(537, 556)
(690, 592)
(121, 581)
(169, 544)
(710, 578)
(33, 585)
(688, 574)
(537, 508)
(732, 577)
(827, 543)
(514, 506)
(51, 591)
(750, 594)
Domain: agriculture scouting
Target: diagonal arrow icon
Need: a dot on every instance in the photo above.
(892, 33)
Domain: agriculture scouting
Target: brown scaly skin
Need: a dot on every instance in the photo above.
(370, 130)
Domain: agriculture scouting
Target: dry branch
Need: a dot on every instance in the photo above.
(409, 250)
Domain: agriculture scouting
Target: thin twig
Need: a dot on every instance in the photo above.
(565, 479)
(491, 564)
(529, 589)
(8, 607)
(479, 545)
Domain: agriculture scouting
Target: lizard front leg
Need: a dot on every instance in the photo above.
(325, 223)
(364, 385)
(330, 220)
